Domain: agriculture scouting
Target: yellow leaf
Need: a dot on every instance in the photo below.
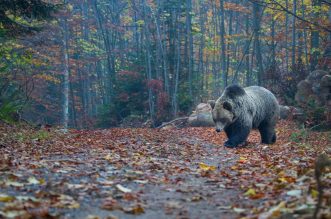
(206, 167)
(250, 192)
(314, 193)
(242, 160)
(282, 179)
(234, 168)
(6, 198)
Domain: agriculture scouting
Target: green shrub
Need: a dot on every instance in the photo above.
(300, 136)
(107, 117)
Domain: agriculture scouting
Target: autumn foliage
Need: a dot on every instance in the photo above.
(171, 172)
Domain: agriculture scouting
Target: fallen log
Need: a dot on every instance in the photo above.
(172, 121)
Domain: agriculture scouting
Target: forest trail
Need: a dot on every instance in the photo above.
(152, 173)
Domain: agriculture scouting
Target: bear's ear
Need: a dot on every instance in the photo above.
(227, 106)
(211, 103)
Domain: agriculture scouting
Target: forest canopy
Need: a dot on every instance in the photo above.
(100, 63)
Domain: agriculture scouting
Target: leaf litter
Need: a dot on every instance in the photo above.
(168, 173)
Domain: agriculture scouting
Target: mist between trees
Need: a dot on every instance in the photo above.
(100, 63)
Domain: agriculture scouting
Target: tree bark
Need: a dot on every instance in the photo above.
(315, 53)
(257, 16)
(223, 47)
(66, 74)
(294, 33)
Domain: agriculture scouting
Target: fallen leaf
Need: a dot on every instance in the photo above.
(6, 198)
(15, 184)
(75, 186)
(110, 204)
(250, 192)
(13, 214)
(33, 181)
(138, 209)
(206, 167)
(123, 189)
(140, 181)
(239, 210)
(66, 201)
(224, 208)
(242, 160)
(296, 193)
(26, 198)
(274, 212)
(196, 198)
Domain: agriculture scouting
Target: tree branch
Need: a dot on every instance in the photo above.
(290, 12)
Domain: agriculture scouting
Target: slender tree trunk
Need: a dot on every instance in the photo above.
(189, 44)
(175, 104)
(223, 48)
(73, 107)
(294, 33)
(148, 57)
(303, 8)
(248, 69)
(66, 74)
(106, 41)
(273, 44)
(229, 44)
(286, 37)
(257, 15)
(201, 71)
(163, 54)
(315, 39)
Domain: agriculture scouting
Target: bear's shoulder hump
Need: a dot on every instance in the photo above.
(234, 90)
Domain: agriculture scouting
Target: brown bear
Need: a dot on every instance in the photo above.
(238, 110)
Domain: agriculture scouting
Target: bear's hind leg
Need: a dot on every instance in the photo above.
(267, 132)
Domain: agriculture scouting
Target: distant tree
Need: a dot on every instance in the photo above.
(17, 16)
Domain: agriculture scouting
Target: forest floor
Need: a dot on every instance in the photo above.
(152, 173)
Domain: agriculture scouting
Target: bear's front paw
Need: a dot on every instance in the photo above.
(229, 144)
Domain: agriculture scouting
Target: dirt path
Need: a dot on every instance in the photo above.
(139, 173)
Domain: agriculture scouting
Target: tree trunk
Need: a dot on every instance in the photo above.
(189, 44)
(257, 15)
(303, 8)
(148, 66)
(66, 74)
(223, 48)
(294, 33)
(248, 69)
(315, 39)
(175, 104)
(273, 44)
(286, 36)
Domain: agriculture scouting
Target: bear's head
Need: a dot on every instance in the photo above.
(222, 113)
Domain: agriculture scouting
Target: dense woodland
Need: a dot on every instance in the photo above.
(98, 99)
(98, 63)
